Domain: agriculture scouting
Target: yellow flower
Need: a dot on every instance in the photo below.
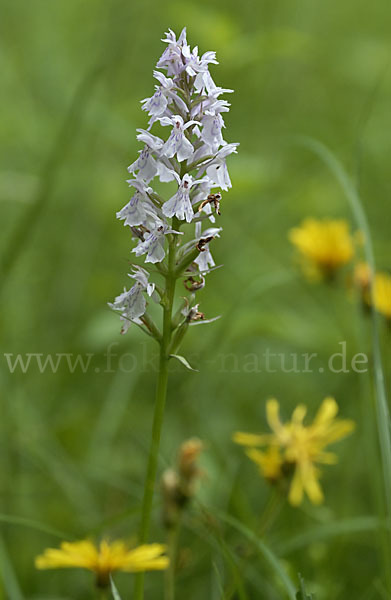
(302, 446)
(324, 246)
(362, 276)
(382, 294)
(269, 462)
(104, 559)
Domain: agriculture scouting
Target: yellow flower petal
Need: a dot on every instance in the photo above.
(296, 490)
(311, 485)
(299, 413)
(327, 411)
(338, 430)
(146, 558)
(251, 439)
(71, 554)
(273, 415)
(382, 294)
(327, 458)
(269, 462)
(104, 559)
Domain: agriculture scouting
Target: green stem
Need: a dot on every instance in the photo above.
(270, 511)
(102, 594)
(186, 261)
(150, 324)
(172, 543)
(160, 402)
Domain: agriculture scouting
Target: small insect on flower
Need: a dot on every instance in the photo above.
(324, 246)
(104, 559)
(382, 294)
(214, 199)
(295, 448)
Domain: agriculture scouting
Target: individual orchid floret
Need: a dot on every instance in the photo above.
(211, 130)
(153, 244)
(171, 58)
(194, 64)
(205, 258)
(145, 165)
(204, 84)
(169, 89)
(218, 174)
(216, 168)
(139, 210)
(153, 141)
(165, 94)
(131, 303)
(180, 204)
(202, 191)
(157, 104)
(178, 143)
(192, 313)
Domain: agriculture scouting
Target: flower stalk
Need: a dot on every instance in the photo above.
(160, 402)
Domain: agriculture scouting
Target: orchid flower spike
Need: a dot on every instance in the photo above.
(187, 104)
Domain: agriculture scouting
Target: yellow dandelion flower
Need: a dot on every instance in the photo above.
(362, 276)
(323, 245)
(104, 559)
(382, 294)
(301, 446)
(270, 462)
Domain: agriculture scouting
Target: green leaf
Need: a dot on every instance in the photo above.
(7, 574)
(114, 590)
(184, 362)
(24, 522)
(205, 321)
(267, 554)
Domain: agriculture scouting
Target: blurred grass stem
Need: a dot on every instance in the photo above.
(172, 544)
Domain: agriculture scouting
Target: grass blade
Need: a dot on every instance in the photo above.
(8, 576)
(382, 411)
(31, 524)
(114, 590)
(330, 530)
(267, 554)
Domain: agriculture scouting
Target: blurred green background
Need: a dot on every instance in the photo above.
(74, 445)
